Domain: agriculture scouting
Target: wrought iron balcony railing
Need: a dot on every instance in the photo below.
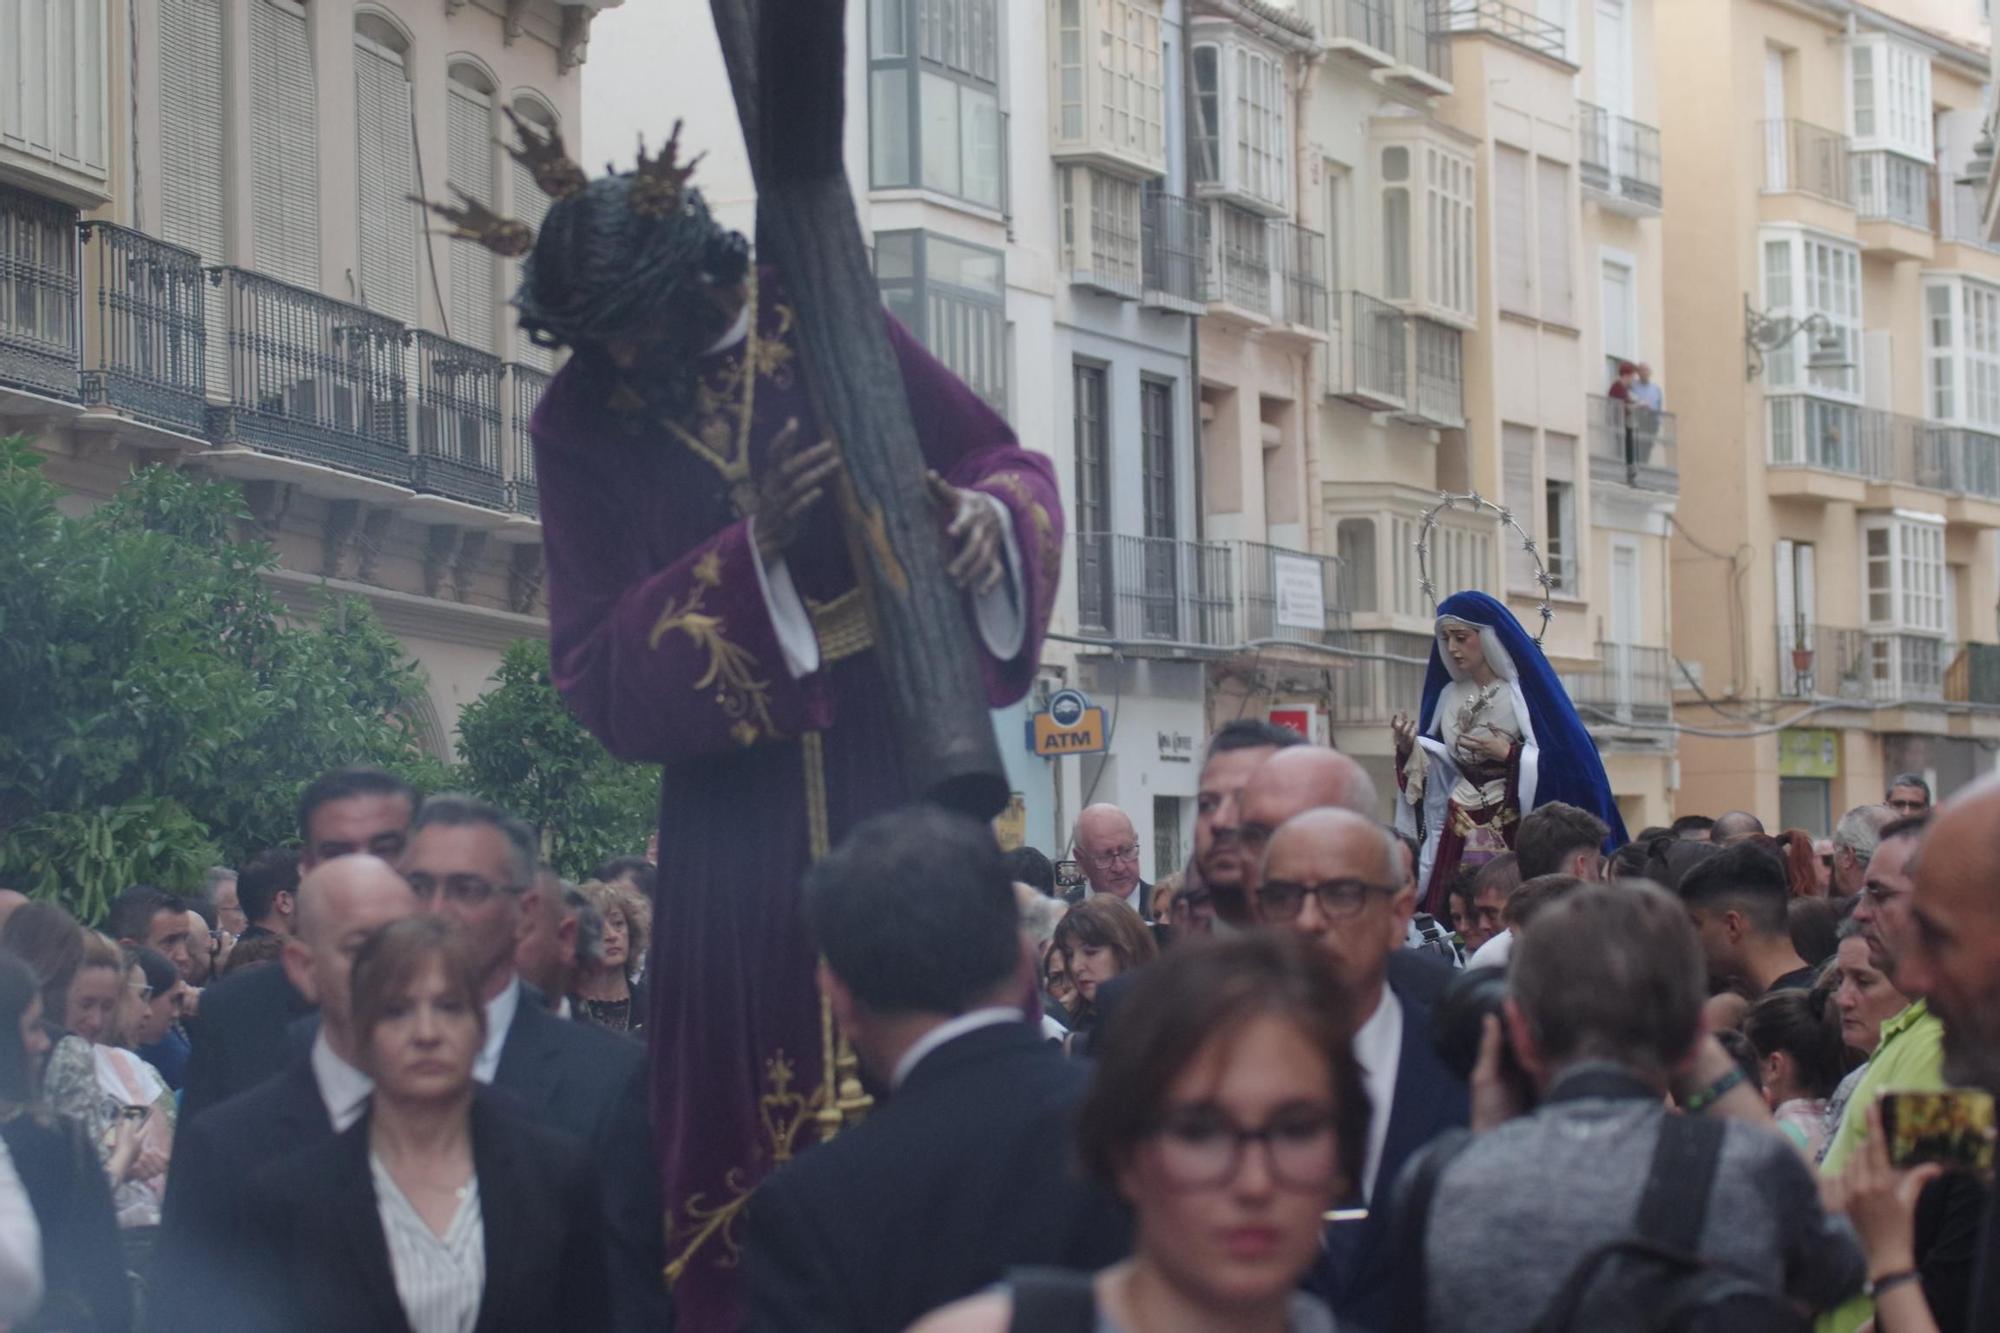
(1632, 444)
(1176, 251)
(312, 378)
(457, 414)
(39, 326)
(525, 387)
(1134, 590)
(1630, 683)
(1369, 356)
(1301, 257)
(146, 343)
(1961, 215)
(1438, 353)
(1820, 661)
(1807, 159)
(1617, 156)
(1964, 462)
(1892, 188)
(1288, 595)
(1510, 23)
(1805, 431)
(1241, 275)
(1386, 676)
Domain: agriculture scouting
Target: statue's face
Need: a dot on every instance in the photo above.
(1462, 648)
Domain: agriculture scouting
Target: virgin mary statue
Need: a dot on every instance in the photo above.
(1496, 737)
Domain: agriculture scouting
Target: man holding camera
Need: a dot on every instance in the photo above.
(1603, 1015)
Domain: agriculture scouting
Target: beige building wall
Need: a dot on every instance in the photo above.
(1775, 463)
(452, 563)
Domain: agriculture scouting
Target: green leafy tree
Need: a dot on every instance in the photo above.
(159, 709)
(520, 747)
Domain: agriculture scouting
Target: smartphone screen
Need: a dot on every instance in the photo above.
(1069, 874)
(1951, 1128)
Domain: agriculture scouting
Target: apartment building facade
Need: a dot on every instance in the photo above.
(1835, 567)
(212, 262)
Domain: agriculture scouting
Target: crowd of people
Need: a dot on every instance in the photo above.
(395, 1078)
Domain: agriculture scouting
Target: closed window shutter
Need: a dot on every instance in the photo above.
(530, 205)
(191, 153)
(1511, 230)
(1553, 226)
(284, 147)
(387, 177)
(1517, 488)
(471, 170)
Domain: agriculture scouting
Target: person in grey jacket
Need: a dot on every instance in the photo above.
(1604, 1014)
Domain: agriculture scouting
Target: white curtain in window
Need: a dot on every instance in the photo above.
(385, 157)
(470, 144)
(284, 147)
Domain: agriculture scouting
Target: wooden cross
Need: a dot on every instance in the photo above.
(785, 60)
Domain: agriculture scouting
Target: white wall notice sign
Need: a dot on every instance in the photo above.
(1300, 592)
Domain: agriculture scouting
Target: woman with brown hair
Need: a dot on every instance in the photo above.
(1229, 1112)
(1802, 866)
(606, 995)
(441, 1210)
(1099, 938)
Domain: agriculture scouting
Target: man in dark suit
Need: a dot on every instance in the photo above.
(202, 1244)
(246, 1020)
(1107, 851)
(963, 1172)
(1335, 878)
(471, 863)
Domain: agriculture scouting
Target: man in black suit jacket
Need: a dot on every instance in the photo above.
(471, 863)
(203, 1236)
(963, 1172)
(244, 1037)
(1107, 851)
(1335, 878)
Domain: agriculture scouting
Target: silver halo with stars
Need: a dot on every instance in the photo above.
(1475, 503)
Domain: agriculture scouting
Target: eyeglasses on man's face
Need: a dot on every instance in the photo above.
(1283, 900)
(1200, 1147)
(1129, 854)
(467, 890)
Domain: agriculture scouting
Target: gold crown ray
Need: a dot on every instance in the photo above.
(471, 220)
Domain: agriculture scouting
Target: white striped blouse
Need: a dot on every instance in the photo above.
(439, 1279)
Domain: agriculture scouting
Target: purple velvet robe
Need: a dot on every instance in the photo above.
(662, 643)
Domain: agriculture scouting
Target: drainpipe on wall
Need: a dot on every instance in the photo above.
(1194, 321)
(1309, 406)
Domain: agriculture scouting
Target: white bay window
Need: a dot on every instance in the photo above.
(1108, 97)
(1807, 274)
(1428, 227)
(1962, 352)
(1240, 133)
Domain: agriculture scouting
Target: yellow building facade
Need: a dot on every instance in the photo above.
(1833, 318)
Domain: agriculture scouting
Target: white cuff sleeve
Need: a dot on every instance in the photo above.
(788, 613)
(1002, 614)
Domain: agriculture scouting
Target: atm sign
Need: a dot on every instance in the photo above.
(1084, 735)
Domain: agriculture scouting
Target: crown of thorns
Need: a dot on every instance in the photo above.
(659, 187)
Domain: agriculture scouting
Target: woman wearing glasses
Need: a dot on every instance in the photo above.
(1228, 1112)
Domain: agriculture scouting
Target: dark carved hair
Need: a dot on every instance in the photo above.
(1550, 833)
(1206, 992)
(343, 783)
(1747, 877)
(914, 912)
(1027, 865)
(1611, 972)
(1803, 1025)
(132, 912)
(269, 874)
(1251, 733)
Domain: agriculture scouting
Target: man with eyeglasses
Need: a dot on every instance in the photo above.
(1909, 1055)
(1335, 878)
(473, 864)
(1107, 848)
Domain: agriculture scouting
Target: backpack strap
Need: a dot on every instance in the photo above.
(1052, 1300)
(1667, 1227)
(1411, 1220)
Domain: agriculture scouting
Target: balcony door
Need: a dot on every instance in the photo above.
(1162, 574)
(1094, 555)
(1776, 174)
(1797, 605)
(1623, 628)
(1613, 72)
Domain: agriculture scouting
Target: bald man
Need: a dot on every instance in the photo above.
(1335, 878)
(1950, 959)
(1107, 849)
(320, 1092)
(1290, 782)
